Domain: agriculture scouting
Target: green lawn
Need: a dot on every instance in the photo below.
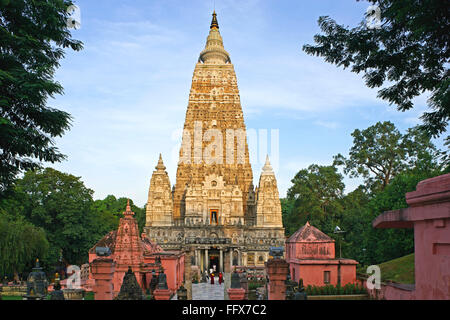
(11, 298)
(399, 270)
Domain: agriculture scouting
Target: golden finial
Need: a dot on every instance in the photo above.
(214, 23)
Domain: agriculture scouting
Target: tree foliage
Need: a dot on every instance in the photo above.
(33, 35)
(409, 53)
(313, 196)
(380, 152)
(109, 211)
(60, 204)
(401, 161)
(386, 244)
(20, 244)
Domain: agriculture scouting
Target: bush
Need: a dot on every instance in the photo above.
(330, 289)
(252, 285)
(309, 289)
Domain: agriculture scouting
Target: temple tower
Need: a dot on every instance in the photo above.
(268, 209)
(214, 138)
(128, 250)
(159, 203)
(213, 209)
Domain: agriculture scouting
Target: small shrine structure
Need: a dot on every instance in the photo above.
(128, 249)
(311, 257)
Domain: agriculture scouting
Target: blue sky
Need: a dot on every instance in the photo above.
(128, 89)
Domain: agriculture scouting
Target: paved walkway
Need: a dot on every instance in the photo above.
(208, 291)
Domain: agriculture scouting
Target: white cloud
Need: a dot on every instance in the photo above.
(327, 124)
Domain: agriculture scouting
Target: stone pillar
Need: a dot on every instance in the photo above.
(231, 260)
(206, 260)
(277, 271)
(244, 284)
(221, 261)
(239, 258)
(102, 270)
(188, 273)
(200, 257)
(227, 274)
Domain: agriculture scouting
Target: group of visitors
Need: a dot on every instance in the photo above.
(212, 274)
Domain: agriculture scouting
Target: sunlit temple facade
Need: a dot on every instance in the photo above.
(214, 208)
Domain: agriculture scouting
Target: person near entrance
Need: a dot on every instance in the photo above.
(220, 278)
(212, 278)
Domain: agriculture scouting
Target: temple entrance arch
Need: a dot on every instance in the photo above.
(214, 261)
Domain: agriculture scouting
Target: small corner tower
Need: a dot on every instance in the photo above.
(159, 203)
(268, 208)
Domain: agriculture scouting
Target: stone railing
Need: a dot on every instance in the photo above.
(13, 290)
(253, 272)
(74, 294)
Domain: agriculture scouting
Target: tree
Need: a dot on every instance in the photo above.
(314, 194)
(409, 52)
(20, 244)
(287, 205)
(386, 244)
(355, 221)
(380, 152)
(60, 204)
(33, 34)
(445, 156)
(108, 211)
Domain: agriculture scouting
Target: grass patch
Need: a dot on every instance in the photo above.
(89, 296)
(399, 270)
(11, 297)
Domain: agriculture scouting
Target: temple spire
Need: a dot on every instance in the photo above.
(160, 165)
(214, 52)
(267, 166)
(214, 23)
(128, 211)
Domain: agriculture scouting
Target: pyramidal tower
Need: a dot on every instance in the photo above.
(213, 201)
(214, 139)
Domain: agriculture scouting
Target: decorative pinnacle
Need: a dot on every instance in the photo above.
(128, 211)
(267, 167)
(267, 160)
(160, 165)
(214, 23)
